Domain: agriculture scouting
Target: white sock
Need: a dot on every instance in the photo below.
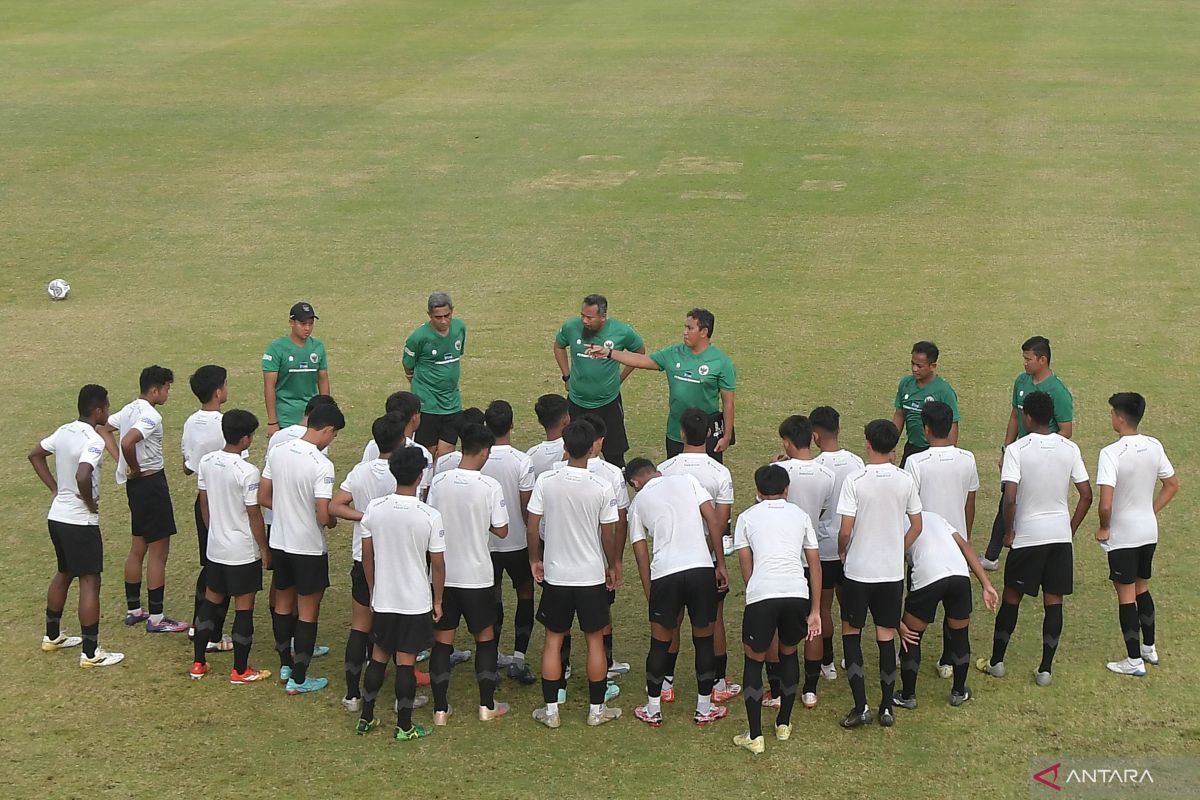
(595, 709)
(668, 682)
(703, 703)
(654, 705)
(551, 709)
(156, 618)
(1137, 662)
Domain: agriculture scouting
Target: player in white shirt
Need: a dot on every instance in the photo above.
(297, 483)
(551, 412)
(408, 406)
(1037, 476)
(577, 564)
(826, 423)
(237, 545)
(718, 482)
(398, 533)
(140, 469)
(74, 525)
(473, 511)
(942, 565)
(947, 480)
(778, 555)
(1130, 469)
(873, 504)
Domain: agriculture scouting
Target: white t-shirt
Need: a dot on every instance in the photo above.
(607, 472)
(935, 554)
(71, 445)
(667, 510)
(371, 452)
(513, 470)
(777, 533)
(201, 435)
(368, 481)
(1132, 465)
(945, 476)
(712, 474)
(299, 475)
(470, 503)
(144, 417)
(573, 502)
(402, 531)
(841, 463)
(545, 455)
(879, 497)
(1043, 466)
(231, 483)
(811, 486)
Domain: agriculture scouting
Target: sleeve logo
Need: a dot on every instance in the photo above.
(327, 480)
(268, 357)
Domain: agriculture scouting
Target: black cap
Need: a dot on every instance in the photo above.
(302, 311)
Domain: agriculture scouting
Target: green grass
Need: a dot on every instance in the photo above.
(834, 181)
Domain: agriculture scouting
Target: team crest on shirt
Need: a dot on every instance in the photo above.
(435, 351)
(677, 365)
(579, 341)
(1021, 393)
(703, 369)
(905, 397)
(291, 358)
(929, 399)
(313, 357)
(458, 345)
(609, 344)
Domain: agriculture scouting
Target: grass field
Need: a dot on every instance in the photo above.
(835, 181)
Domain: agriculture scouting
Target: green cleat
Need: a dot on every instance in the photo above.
(365, 726)
(416, 732)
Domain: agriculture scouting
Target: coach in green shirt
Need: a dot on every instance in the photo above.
(432, 355)
(594, 384)
(923, 385)
(295, 368)
(699, 375)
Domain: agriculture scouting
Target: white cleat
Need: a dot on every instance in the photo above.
(61, 642)
(1128, 666)
(1150, 654)
(352, 704)
(1042, 678)
(829, 672)
(103, 658)
(945, 671)
(989, 564)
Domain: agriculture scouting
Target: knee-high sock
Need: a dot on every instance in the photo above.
(406, 693)
(243, 638)
(789, 679)
(656, 667)
(201, 585)
(705, 677)
(524, 625)
(827, 650)
(283, 626)
(773, 678)
(672, 660)
(1006, 623)
(1145, 605)
(485, 671)
(439, 675)
(305, 643)
(960, 657)
(852, 647)
(499, 626)
(219, 619)
(945, 657)
(752, 687)
(910, 665)
(357, 648)
(565, 654)
(204, 625)
(721, 665)
(1127, 616)
(887, 672)
(1052, 627)
(812, 674)
(372, 683)
(608, 648)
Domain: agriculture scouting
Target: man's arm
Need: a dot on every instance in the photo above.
(205, 514)
(969, 514)
(629, 359)
(1106, 504)
(608, 538)
(368, 562)
(324, 518)
(1170, 488)
(37, 457)
(269, 381)
(264, 492)
(628, 370)
(563, 359)
(83, 485)
(533, 541)
(129, 450)
(815, 582)
(437, 566)
(342, 506)
(990, 598)
(525, 495)
(621, 533)
(323, 381)
(712, 521)
(1065, 429)
(727, 413)
(1081, 508)
(915, 525)
(1009, 505)
(844, 536)
(954, 433)
(642, 554)
(500, 531)
(898, 419)
(110, 441)
(258, 529)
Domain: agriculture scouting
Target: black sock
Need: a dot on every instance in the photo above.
(372, 683)
(243, 638)
(222, 611)
(656, 667)
(852, 647)
(53, 623)
(721, 665)
(960, 658)
(1127, 616)
(283, 626)
(524, 625)
(201, 585)
(672, 660)
(133, 595)
(773, 678)
(887, 673)
(827, 650)
(910, 665)
(485, 671)
(357, 645)
(705, 676)
(406, 693)
(812, 674)
(565, 656)
(204, 623)
(550, 690)
(499, 626)
(439, 675)
(945, 657)
(1006, 623)
(789, 679)
(305, 643)
(91, 638)
(1052, 627)
(608, 647)
(1145, 605)
(155, 596)
(752, 687)
(596, 690)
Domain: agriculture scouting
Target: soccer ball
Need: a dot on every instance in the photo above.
(58, 289)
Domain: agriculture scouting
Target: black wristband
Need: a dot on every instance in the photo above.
(566, 378)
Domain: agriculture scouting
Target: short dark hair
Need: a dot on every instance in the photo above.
(704, 320)
(407, 464)
(882, 435)
(1039, 407)
(1038, 345)
(471, 416)
(499, 417)
(237, 424)
(578, 438)
(927, 349)
(1130, 406)
(771, 480)
(693, 424)
(326, 415)
(474, 439)
(938, 417)
(597, 423)
(406, 402)
(155, 376)
(599, 301)
(549, 409)
(636, 467)
(825, 418)
(91, 397)
(388, 432)
(797, 430)
(206, 381)
(316, 401)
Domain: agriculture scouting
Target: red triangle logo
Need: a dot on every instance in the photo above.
(1049, 776)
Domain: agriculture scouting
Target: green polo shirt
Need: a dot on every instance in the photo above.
(1064, 403)
(434, 360)
(297, 367)
(911, 398)
(595, 382)
(694, 380)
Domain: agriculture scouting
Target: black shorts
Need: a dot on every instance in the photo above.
(516, 564)
(478, 606)
(201, 533)
(151, 515)
(436, 428)
(1044, 567)
(883, 600)
(833, 574)
(402, 633)
(911, 449)
(78, 548)
(1129, 564)
(359, 590)
(953, 592)
(787, 616)
(233, 580)
(616, 441)
(693, 589)
(560, 604)
(307, 574)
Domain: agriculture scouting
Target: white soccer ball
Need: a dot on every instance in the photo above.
(58, 289)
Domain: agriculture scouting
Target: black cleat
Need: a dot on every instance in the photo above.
(905, 702)
(886, 719)
(522, 674)
(856, 718)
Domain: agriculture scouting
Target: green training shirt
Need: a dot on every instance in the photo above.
(1064, 403)
(911, 398)
(297, 367)
(434, 360)
(595, 382)
(693, 381)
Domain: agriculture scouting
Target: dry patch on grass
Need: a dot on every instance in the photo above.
(594, 157)
(698, 165)
(822, 186)
(558, 179)
(713, 195)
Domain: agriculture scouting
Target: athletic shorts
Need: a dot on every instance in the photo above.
(78, 548)
(832, 574)
(233, 580)
(1129, 564)
(436, 428)
(882, 600)
(616, 441)
(151, 515)
(787, 616)
(560, 605)
(693, 589)
(516, 564)
(953, 592)
(910, 450)
(1047, 568)
(402, 633)
(358, 585)
(478, 606)
(306, 574)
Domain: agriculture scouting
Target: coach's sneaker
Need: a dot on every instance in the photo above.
(713, 714)
(652, 718)
(198, 671)
(1128, 666)
(136, 616)
(724, 691)
(886, 718)
(521, 673)
(1042, 678)
(945, 671)
(809, 699)
(783, 732)
(905, 702)
(488, 714)
(989, 564)
(668, 694)
(165, 625)
(857, 718)
(103, 658)
(546, 718)
(829, 672)
(957, 699)
(727, 545)
(223, 645)
(611, 691)
(365, 726)
(285, 674)
(986, 666)
(442, 718)
(310, 685)
(1150, 654)
(415, 732)
(459, 656)
(605, 714)
(352, 704)
(756, 746)
(618, 668)
(251, 675)
(61, 642)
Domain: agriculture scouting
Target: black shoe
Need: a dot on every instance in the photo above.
(521, 674)
(957, 699)
(905, 702)
(886, 719)
(857, 718)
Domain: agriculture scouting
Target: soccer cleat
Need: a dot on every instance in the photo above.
(886, 718)
(809, 699)
(310, 685)
(653, 719)
(222, 646)
(136, 616)
(442, 718)
(989, 564)
(285, 674)
(857, 718)
(320, 650)
(995, 670)
(503, 660)
(727, 545)
(61, 642)
(714, 713)
(422, 677)
(365, 726)
(668, 694)
(770, 702)
(756, 746)
(957, 699)
(251, 675)
(103, 658)
(567, 672)
(562, 696)
(423, 656)
(352, 704)
(198, 671)
(829, 672)
(618, 668)
(419, 701)
(167, 625)
(488, 714)
(945, 671)
(611, 691)
(905, 702)
(1127, 666)
(415, 732)
(459, 656)
(521, 673)
(546, 718)
(783, 732)
(730, 691)
(604, 715)
(1150, 654)
(1042, 678)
